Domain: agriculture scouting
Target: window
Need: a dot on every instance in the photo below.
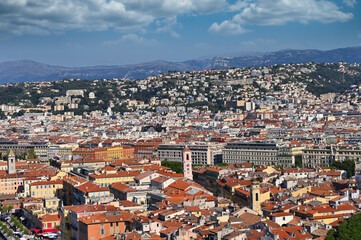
(102, 231)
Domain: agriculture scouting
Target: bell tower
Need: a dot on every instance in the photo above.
(187, 163)
(255, 202)
(11, 162)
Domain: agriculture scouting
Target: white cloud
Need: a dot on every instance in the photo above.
(279, 12)
(227, 27)
(167, 25)
(350, 3)
(51, 16)
(240, 4)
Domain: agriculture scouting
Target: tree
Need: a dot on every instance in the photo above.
(280, 166)
(347, 165)
(298, 161)
(2, 114)
(9, 208)
(348, 229)
(6, 209)
(18, 114)
(175, 166)
(222, 164)
(31, 153)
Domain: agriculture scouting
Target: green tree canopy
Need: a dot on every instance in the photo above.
(175, 166)
(298, 161)
(348, 229)
(31, 154)
(347, 165)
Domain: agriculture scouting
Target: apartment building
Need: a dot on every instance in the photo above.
(109, 154)
(253, 152)
(324, 156)
(201, 154)
(104, 225)
(287, 156)
(45, 189)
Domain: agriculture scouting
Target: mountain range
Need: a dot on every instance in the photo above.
(30, 71)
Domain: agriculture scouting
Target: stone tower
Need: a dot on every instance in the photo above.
(11, 162)
(187, 163)
(255, 202)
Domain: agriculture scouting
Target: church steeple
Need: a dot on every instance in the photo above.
(187, 163)
(255, 202)
(11, 162)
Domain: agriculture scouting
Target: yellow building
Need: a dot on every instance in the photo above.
(45, 189)
(52, 203)
(265, 195)
(109, 154)
(268, 169)
(58, 176)
(328, 215)
(255, 202)
(120, 152)
(105, 179)
(325, 213)
(299, 192)
(65, 222)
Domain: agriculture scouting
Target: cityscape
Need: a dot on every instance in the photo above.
(180, 120)
(241, 153)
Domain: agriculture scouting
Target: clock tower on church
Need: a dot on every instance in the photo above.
(187, 163)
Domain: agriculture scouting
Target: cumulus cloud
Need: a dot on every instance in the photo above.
(50, 16)
(279, 12)
(227, 27)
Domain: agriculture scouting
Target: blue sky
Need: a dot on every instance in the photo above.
(113, 32)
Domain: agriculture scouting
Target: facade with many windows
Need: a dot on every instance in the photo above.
(324, 156)
(201, 154)
(45, 189)
(256, 153)
(287, 156)
(104, 225)
(109, 154)
(316, 157)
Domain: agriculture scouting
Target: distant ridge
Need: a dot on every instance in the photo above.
(30, 71)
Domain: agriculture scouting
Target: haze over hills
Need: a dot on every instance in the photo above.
(29, 71)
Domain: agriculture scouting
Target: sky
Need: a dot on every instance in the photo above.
(115, 32)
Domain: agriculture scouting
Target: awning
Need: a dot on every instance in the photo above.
(36, 230)
(51, 230)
